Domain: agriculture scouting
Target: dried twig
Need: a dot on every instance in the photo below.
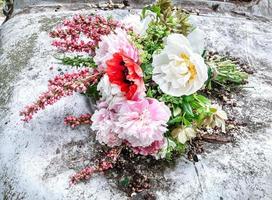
(214, 138)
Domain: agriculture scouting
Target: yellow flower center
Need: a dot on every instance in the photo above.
(191, 66)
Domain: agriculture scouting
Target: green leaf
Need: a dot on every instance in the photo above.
(144, 11)
(188, 98)
(187, 108)
(149, 93)
(202, 99)
(156, 9)
(176, 120)
(186, 122)
(92, 92)
(125, 181)
(176, 111)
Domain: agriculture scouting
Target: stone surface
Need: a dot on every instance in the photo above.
(36, 159)
(254, 7)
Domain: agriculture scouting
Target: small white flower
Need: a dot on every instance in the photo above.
(110, 92)
(183, 134)
(138, 26)
(217, 119)
(179, 69)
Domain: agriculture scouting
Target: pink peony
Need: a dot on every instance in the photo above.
(104, 123)
(113, 43)
(149, 150)
(142, 122)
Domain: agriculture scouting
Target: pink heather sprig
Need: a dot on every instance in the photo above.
(61, 86)
(104, 164)
(82, 33)
(76, 121)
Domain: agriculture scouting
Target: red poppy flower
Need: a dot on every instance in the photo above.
(127, 74)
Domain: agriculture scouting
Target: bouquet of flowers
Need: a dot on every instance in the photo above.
(148, 75)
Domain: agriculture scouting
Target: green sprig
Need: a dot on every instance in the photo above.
(225, 72)
(77, 61)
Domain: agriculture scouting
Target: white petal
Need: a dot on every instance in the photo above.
(165, 87)
(190, 133)
(160, 59)
(176, 39)
(183, 80)
(196, 39)
(182, 137)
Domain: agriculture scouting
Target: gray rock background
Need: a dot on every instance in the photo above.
(36, 159)
(255, 7)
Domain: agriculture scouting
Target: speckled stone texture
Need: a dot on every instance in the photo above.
(243, 7)
(36, 159)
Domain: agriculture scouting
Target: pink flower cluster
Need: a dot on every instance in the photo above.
(61, 86)
(82, 34)
(76, 121)
(124, 115)
(84, 174)
(104, 164)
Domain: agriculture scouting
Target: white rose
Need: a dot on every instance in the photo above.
(178, 68)
(183, 134)
(138, 26)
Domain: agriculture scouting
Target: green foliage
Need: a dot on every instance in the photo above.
(180, 148)
(173, 147)
(147, 69)
(177, 149)
(153, 41)
(92, 92)
(154, 8)
(181, 23)
(166, 8)
(224, 72)
(187, 110)
(174, 19)
(164, 4)
(125, 181)
(78, 61)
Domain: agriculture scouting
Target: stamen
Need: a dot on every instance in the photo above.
(191, 66)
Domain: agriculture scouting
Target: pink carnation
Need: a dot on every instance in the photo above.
(113, 43)
(142, 122)
(104, 123)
